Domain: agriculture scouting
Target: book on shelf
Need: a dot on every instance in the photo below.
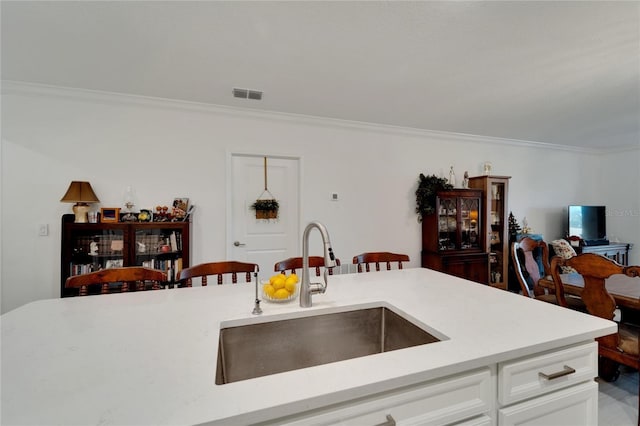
(179, 240)
(178, 268)
(173, 242)
(80, 269)
(171, 267)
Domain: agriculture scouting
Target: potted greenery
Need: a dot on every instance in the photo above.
(266, 209)
(428, 187)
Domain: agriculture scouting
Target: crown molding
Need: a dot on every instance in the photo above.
(9, 87)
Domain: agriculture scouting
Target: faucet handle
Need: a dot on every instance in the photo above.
(329, 258)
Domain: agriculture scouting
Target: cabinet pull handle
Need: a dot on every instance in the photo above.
(390, 421)
(565, 372)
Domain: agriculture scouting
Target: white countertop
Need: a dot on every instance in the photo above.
(149, 358)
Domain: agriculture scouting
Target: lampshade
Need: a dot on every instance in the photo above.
(80, 192)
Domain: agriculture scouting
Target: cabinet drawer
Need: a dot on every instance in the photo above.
(539, 374)
(447, 401)
(483, 420)
(577, 405)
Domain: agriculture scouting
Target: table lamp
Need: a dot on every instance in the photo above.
(81, 194)
(473, 215)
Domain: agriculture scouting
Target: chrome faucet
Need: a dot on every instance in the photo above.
(307, 288)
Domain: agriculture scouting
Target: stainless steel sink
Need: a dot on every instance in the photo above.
(261, 349)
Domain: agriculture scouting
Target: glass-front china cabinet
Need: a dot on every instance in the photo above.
(452, 237)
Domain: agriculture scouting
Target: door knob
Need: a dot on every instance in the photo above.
(238, 244)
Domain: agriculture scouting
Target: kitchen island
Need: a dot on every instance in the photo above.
(149, 358)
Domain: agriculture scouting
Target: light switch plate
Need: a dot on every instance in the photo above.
(43, 230)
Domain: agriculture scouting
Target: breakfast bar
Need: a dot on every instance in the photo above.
(150, 358)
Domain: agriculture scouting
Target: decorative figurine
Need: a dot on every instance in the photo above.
(162, 214)
(93, 248)
(465, 181)
(452, 177)
(129, 203)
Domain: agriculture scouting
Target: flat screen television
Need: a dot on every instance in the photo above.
(588, 223)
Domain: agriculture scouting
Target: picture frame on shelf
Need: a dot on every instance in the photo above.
(180, 208)
(181, 203)
(110, 214)
(113, 263)
(117, 245)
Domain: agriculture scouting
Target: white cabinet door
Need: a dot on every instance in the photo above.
(577, 405)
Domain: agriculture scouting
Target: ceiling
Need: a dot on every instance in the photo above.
(565, 73)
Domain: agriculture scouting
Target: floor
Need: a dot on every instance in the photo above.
(618, 401)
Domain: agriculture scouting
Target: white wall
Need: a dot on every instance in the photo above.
(620, 189)
(166, 149)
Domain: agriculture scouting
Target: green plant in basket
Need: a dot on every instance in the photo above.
(426, 194)
(266, 209)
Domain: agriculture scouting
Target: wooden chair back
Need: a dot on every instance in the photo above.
(128, 276)
(595, 269)
(293, 264)
(523, 256)
(219, 269)
(622, 347)
(377, 258)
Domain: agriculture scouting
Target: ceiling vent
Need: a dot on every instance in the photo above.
(247, 94)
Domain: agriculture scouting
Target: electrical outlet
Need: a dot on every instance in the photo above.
(43, 230)
(334, 196)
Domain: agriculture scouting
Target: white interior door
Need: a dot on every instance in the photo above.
(261, 241)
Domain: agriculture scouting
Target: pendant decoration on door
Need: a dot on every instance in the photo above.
(266, 206)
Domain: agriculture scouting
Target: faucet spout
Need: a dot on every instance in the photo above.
(307, 288)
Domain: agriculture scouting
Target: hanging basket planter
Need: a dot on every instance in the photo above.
(266, 214)
(266, 206)
(266, 209)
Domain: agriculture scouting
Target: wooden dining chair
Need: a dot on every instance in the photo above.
(377, 258)
(122, 279)
(527, 255)
(294, 264)
(622, 347)
(219, 269)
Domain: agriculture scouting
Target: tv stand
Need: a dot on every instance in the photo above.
(601, 242)
(616, 251)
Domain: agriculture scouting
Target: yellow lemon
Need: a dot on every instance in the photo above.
(278, 283)
(293, 276)
(269, 290)
(290, 285)
(275, 277)
(291, 279)
(281, 294)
